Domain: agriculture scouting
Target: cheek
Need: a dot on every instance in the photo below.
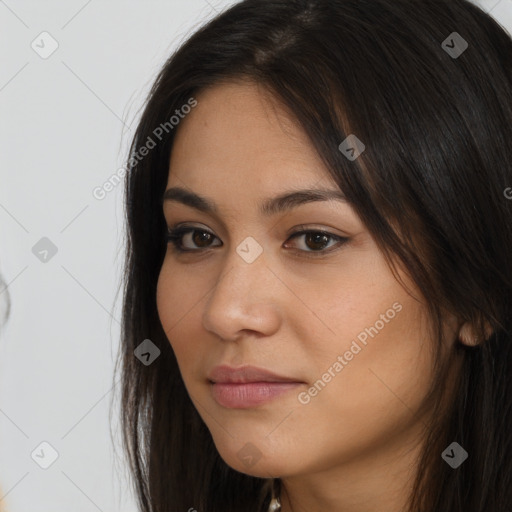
(164, 299)
(176, 296)
(381, 334)
(163, 286)
(383, 381)
(179, 301)
(173, 301)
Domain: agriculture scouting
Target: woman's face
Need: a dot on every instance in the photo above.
(326, 314)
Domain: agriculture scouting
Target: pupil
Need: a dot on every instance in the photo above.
(317, 239)
(201, 236)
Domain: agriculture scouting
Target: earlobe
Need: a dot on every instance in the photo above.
(467, 334)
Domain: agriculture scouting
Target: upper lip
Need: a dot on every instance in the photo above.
(243, 374)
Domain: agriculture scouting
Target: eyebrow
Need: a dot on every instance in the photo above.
(282, 202)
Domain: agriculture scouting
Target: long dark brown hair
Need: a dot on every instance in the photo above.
(434, 110)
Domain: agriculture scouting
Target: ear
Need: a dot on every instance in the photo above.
(467, 334)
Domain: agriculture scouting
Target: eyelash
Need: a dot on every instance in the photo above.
(174, 236)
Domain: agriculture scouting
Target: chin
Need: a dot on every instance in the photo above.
(261, 469)
(255, 460)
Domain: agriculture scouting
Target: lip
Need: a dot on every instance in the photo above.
(225, 374)
(250, 394)
(247, 386)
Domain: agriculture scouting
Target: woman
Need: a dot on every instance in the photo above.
(318, 289)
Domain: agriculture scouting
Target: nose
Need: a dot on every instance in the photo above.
(245, 298)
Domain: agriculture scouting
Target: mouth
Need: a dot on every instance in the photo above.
(245, 374)
(249, 394)
(247, 386)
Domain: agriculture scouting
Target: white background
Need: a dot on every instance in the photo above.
(65, 123)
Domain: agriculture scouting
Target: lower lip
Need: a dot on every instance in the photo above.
(250, 394)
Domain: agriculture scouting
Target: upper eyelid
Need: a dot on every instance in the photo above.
(168, 212)
(301, 228)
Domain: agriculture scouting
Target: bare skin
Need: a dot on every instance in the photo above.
(351, 447)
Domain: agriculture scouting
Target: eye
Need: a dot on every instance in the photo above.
(318, 241)
(175, 236)
(315, 241)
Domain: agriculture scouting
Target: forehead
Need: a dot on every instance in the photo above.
(239, 136)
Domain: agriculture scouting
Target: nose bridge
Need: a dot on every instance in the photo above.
(246, 266)
(245, 272)
(242, 297)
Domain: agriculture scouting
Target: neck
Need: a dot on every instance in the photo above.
(378, 481)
